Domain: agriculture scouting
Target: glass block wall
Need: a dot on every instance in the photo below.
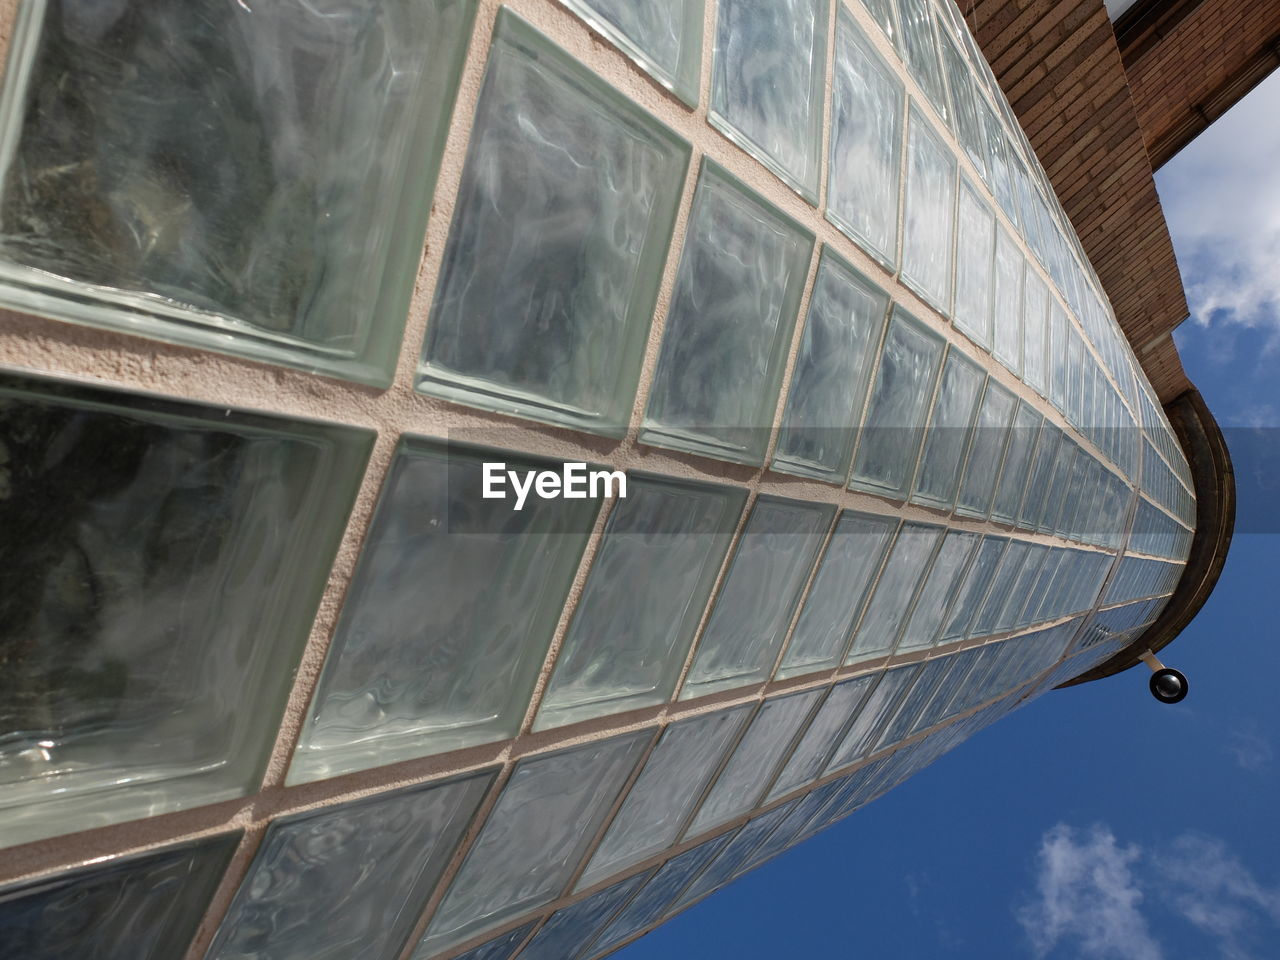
(279, 680)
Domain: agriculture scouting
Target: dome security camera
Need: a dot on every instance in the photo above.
(1167, 684)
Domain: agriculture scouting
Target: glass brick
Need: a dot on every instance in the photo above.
(864, 730)
(929, 216)
(986, 451)
(864, 169)
(1007, 301)
(144, 907)
(749, 622)
(644, 598)
(499, 948)
(839, 589)
(920, 50)
(811, 753)
(1017, 463)
(950, 429)
(728, 330)
(975, 252)
(164, 565)
(253, 182)
(449, 614)
(733, 850)
(661, 800)
(663, 36)
(939, 591)
(829, 380)
(754, 760)
(768, 81)
(534, 838)
(570, 930)
(974, 589)
(899, 407)
(885, 14)
(1035, 312)
(559, 236)
(895, 591)
(348, 882)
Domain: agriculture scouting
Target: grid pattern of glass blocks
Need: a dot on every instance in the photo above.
(270, 203)
(535, 730)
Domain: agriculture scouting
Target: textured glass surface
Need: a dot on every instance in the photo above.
(663, 36)
(134, 908)
(899, 726)
(829, 380)
(975, 248)
(986, 452)
(929, 214)
(939, 590)
(920, 50)
(885, 14)
(831, 609)
(1007, 301)
(1017, 463)
(737, 292)
(564, 936)
(448, 616)
(987, 621)
(160, 567)
(732, 855)
(1035, 311)
(656, 897)
(559, 237)
(754, 759)
(967, 121)
(250, 181)
(974, 589)
(499, 948)
(864, 165)
(811, 753)
(348, 882)
(948, 435)
(662, 798)
(767, 83)
(534, 837)
(770, 566)
(899, 407)
(895, 591)
(864, 730)
(649, 584)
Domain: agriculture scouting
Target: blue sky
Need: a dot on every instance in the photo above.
(1094, 823)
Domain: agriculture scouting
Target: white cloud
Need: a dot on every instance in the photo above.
(1221, 197)
(1250, 748)
(1088, 896)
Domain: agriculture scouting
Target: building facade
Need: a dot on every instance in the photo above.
(331, 335)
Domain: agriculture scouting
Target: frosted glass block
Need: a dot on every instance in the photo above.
(1035, 310)
(655, 899)
(662, 798)
(737, 292)
(811, 753)
(967, 121)
(559, 236)
(1017, 463)
(939, 591)
(975, 252)
(864, 165)
(766, 742)
(1012, 617)
(1007, 301)
(768, 80)
(770, 566)
(449, 613)
(929, 214)
(899, 407)
(875, 711)
(913, 703)
(986, 451)
(787, 832)
(143, 907)
(662, 36)
(895, 591)
(164, 562)
(920, 50)
(839, 589)
(1057, 355)
(1040, 476)
(252, 182)
(732, 855)
(534, 837)
(974, 590)
(564, 936)
(1067, 452)
(998, 163)
(885, 14)
(829, 380)
(950, 428)
(348, 882)
(988, 619)
(499, 948)
(662, 550)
